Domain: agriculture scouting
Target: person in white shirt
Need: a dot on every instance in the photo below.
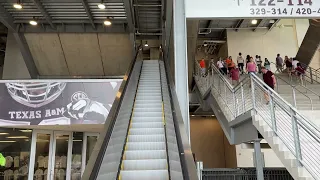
(240, 62)
(294, 63)
(221, 66)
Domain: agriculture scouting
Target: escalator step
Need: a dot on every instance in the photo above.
(135, 155)
(147, 125)
(146, 164)
(142, 131)
(145, 175)
(149, 138)
(146, 146)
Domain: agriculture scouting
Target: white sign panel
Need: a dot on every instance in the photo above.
(252, 8)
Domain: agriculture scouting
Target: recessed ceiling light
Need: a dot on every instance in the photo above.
(254, 21)
(101, 6)
(26, 130)
(17, 137)
(7, 141)
(17, 5)
(33, 22)
(107, 22)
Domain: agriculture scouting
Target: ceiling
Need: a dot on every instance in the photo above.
(139, 16)
(216, 29)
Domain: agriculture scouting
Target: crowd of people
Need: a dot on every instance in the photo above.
(255, 65)
(249, 65)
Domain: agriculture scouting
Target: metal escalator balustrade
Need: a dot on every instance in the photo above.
(278, 120)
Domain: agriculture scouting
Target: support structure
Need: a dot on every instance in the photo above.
(44, 12)
(258, 159)
(180, 60)
(129, 12)
(89, 14)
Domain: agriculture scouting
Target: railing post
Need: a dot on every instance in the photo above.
(296, 137)
(253, 93)
(242, 97)
(272, 112)
(310, 69)
(294, 97)
(234, 104)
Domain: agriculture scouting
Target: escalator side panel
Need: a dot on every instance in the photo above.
(111, 159)
(173, 151)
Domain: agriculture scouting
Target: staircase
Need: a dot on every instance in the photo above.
(292, 136)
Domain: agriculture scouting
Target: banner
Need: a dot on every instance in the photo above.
(236, 9)
(56, 103)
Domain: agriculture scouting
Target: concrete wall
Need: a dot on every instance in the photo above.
(14, 66)
(285, 38)
(79, 54)
(245, 157)
(210, 145)
(223, 52)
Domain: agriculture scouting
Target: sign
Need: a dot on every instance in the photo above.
(56, 103)
(252, 9)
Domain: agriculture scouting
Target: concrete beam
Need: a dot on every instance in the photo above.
(129, 13)
(88, 12)
(26, 54)
(44, 12)
(73, 28)
(310, 43)
(239, 24)
(6, 19)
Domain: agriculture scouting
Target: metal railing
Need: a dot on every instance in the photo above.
(245, 174)
(295, 91)
(299, 135)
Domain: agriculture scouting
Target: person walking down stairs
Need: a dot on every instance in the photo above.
(270, 80)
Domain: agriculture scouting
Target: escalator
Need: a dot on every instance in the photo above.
(144, 136)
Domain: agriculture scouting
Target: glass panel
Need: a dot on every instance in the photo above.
(76, 156)
(91, 142)
(15, 145)
(42, 156)
(61, 154)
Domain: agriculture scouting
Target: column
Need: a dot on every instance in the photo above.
(258, 159)
(180, 60)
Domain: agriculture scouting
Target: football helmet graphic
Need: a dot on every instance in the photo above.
(35, 94)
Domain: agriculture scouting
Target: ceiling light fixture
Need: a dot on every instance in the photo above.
(101, 5)
(26, 130)
(17, 5)
(254, 21)
(146, 44)
(107, 22)
(33, 22)
(205, 44)
(17, 137)
(4, 133)
(7, 141)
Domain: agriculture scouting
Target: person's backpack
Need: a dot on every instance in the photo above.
(2, 160)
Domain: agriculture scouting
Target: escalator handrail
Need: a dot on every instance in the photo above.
(111, 119)
(186, 156)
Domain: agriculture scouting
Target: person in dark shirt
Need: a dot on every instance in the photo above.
(300, 73)
(270, 80)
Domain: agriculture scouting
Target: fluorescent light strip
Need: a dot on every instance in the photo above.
(17, 137)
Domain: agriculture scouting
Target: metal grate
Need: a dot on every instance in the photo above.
(245, 174)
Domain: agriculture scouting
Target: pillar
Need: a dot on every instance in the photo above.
(258, 159)
(180, 60)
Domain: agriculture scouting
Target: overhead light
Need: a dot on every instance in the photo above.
(192, 115)
(4, 133)
(7, 141)
(33, 22)
(272, 21)
(146, 44)
(205, 44)
(212, 115)
(107, 22)
(254, 21)
(101, 6)
(17, 5)
(17, 137)
(26, 130)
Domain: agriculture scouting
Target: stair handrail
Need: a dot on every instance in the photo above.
(300, 125)
(298, 121)
(294, 89)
